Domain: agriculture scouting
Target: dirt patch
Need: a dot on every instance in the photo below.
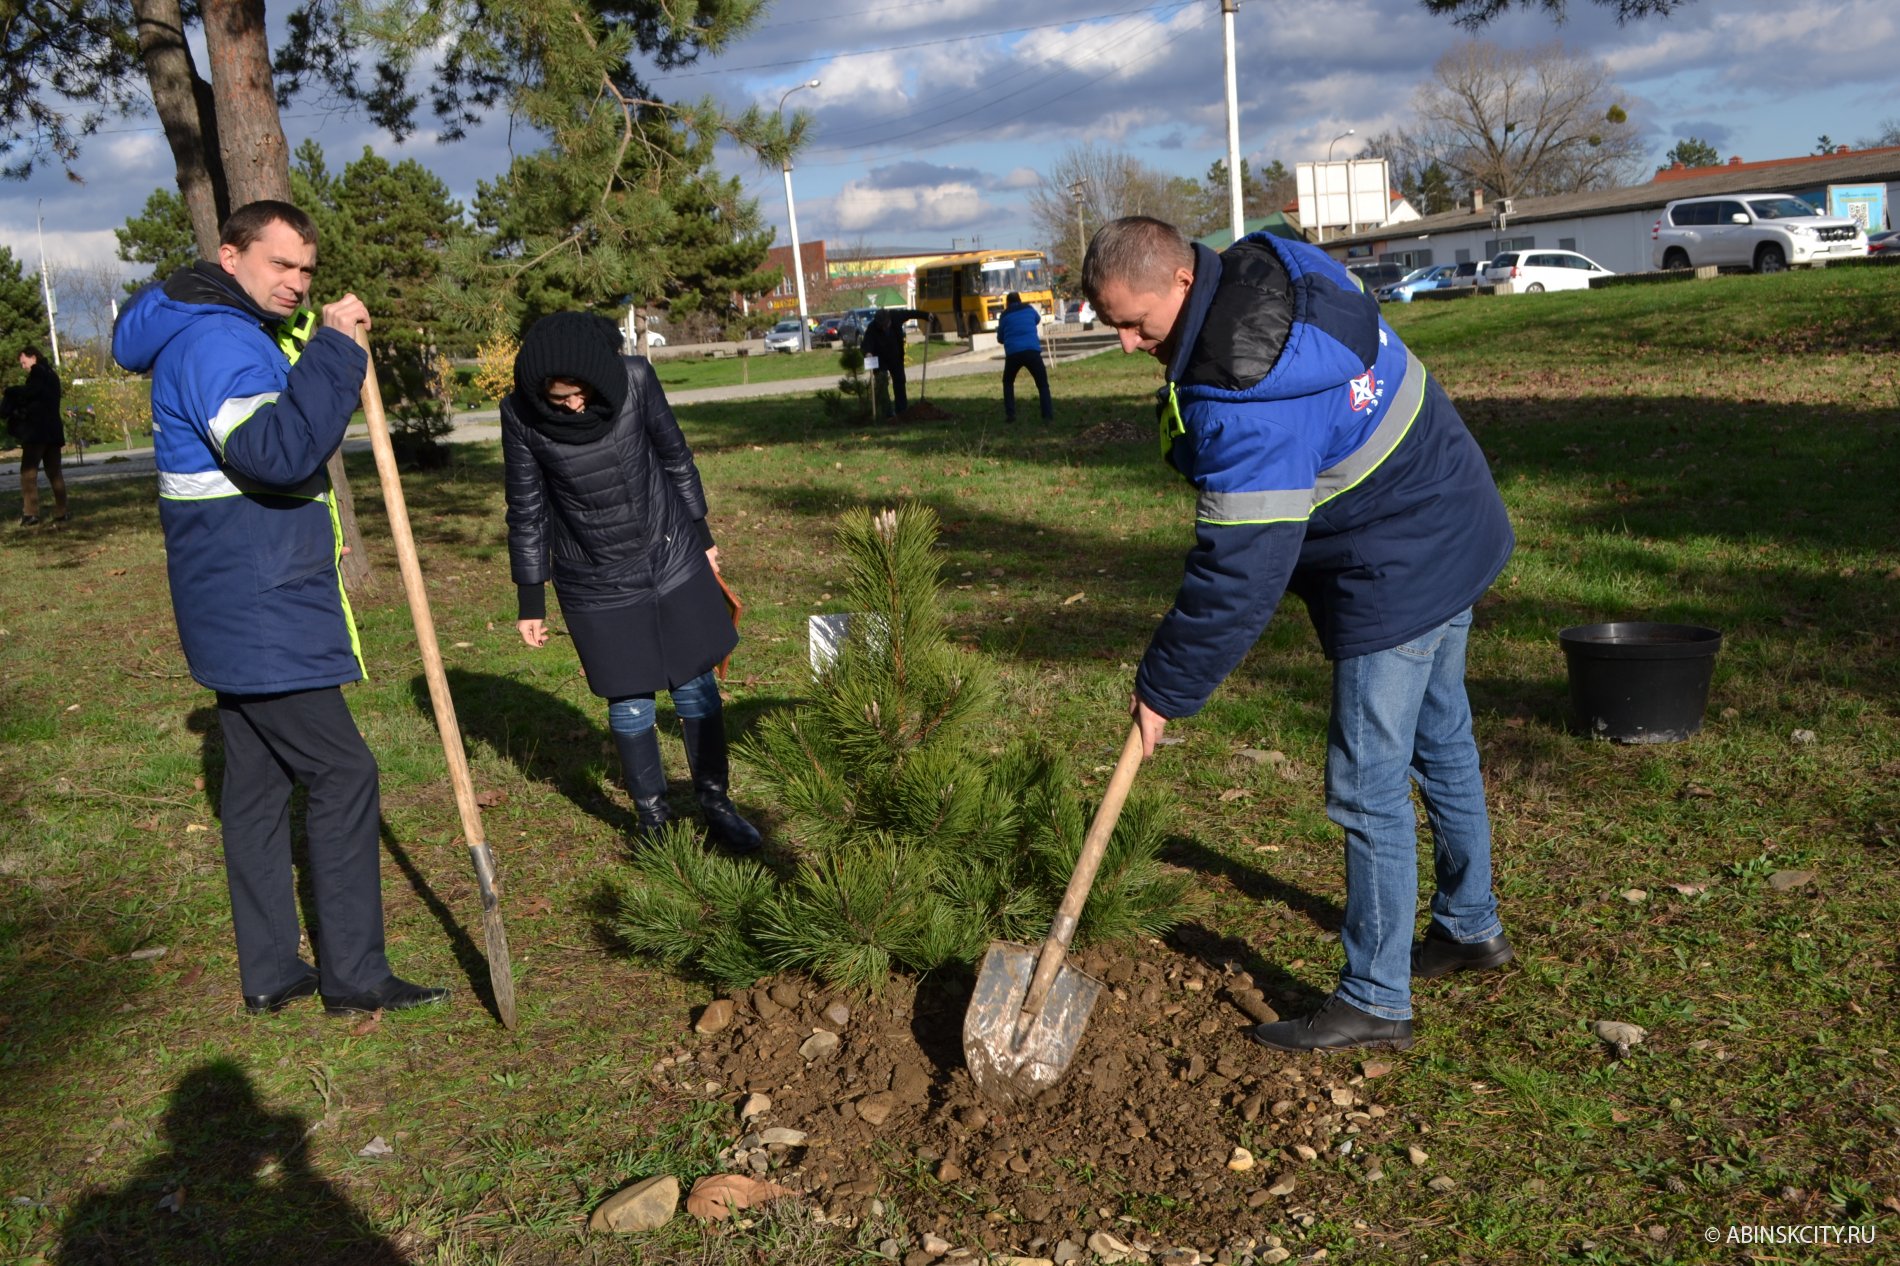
(1139, 1141)
(1116, 431)
(924, 411)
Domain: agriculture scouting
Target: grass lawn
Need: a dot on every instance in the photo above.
(1721, 453)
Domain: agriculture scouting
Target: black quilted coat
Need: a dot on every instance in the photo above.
(615, 521)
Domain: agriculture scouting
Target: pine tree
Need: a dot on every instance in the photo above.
(160, 237)
(22, 316)
(917, 840)
(383, 230)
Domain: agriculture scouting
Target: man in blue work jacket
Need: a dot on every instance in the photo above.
(1019, 330)
(248, 402)
(1329, 464)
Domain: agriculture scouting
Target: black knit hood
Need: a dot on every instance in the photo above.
(580, 347)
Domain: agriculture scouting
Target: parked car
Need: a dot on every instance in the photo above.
(1426, 278)
(851, 329)
(1078, 312)
(827, 332)
(1464, 275)
(1533, 272)
(784, 337)
(655, 339)
(1373, 275)
(1764, 231)
(1889, 240)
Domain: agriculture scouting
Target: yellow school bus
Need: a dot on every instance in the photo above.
(966, 292)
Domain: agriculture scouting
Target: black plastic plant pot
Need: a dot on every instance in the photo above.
(1637, 682)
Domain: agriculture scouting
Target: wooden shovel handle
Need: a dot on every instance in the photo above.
(411, 566)
(1094, 845)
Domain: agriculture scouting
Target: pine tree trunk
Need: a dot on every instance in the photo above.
(257, 165)
(184, 104)
(250, 135)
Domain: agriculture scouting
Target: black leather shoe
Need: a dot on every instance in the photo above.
(394, 994)
(264, 1003)
(1336, 1026)
(706, 753)
(1439, 955)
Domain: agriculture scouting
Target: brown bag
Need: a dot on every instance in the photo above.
(738, 609)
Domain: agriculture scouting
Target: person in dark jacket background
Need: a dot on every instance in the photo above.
(605, 501)
(32, 412)
(884, 339)
(1329, 464)
(248, 402)
(1019, 330)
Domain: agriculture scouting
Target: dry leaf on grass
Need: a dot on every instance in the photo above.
(490, 799)
(540, 905)
(367, 1025)
(717, 1195)
(1234, 793)
(191, 976)
(1072, 599)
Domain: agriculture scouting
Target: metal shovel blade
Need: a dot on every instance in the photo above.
(1011, 1068)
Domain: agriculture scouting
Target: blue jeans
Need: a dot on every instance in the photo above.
(1401, 716)
(633, 715)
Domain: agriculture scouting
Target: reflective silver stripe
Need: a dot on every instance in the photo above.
(1295, 505)
(1399, 416)
(1291, 505)
(234, 413)
(199, 487)
(207, 484)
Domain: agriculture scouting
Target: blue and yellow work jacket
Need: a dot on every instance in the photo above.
(1329, 464)
(244, 414)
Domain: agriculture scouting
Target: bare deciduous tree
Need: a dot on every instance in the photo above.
(1112, 183)
(1526, 121)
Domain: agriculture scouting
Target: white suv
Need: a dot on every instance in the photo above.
(1764, 231)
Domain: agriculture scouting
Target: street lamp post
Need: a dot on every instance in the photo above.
(1329, 158)
(791, 215)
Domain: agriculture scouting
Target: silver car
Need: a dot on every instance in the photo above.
(784, 337)
(1763, 231)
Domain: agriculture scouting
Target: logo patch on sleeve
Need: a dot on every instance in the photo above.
(1365, 392)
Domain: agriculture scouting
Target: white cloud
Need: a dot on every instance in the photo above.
(861, 207)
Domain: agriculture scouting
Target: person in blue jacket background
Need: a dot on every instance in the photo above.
(1328, 464)
(251, 393)
(1019, 330)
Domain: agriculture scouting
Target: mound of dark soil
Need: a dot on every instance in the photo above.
(1138, 1142)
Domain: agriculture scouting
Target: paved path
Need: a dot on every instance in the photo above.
(477, 425)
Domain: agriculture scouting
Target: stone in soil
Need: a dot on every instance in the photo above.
(645, 1206)
(1152, 1102)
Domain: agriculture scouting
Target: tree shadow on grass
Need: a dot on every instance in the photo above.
(235, 1184)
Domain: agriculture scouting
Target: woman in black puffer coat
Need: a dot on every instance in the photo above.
(604, 500)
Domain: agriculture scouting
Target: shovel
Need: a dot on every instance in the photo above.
(501, 977)
(1029, 1008)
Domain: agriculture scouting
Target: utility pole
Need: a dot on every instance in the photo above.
(46, 288)
(1076, 191)
(791, 216)
(1228, 9)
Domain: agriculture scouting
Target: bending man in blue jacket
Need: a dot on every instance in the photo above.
(1331, 465)
(1019, 330)
(247, 405)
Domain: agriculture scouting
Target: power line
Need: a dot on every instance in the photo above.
(951, 140)
(891, 48)
(1101, 38)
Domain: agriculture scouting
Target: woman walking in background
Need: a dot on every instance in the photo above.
(605, 501)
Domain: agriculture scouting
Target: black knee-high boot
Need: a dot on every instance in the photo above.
(706, 753)
(646, 780)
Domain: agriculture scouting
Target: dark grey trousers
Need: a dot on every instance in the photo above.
(272, 742)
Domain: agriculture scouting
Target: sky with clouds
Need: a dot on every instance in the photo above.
(933, 118)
